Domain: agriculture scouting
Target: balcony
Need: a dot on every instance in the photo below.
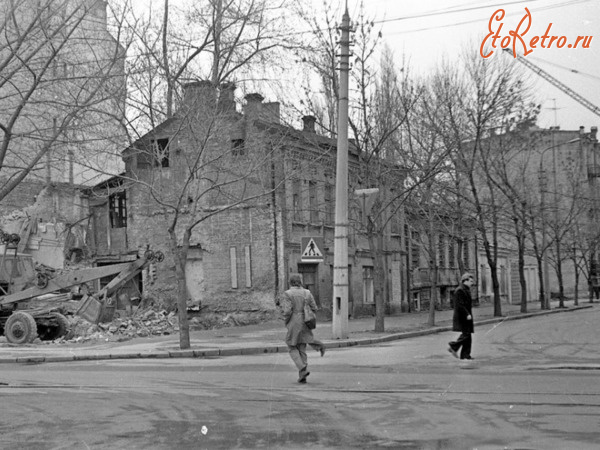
(422, 277)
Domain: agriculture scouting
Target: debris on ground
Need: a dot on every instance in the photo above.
(152, 322)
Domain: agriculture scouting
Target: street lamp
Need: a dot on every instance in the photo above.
(541, 173)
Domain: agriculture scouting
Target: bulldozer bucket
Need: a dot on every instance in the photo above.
(90, 309)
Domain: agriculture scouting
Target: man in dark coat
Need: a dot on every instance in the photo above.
(463, 318)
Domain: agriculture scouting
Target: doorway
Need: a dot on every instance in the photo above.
(310, 279)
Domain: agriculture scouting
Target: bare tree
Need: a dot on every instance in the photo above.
(320, 87)
(62, 78)
(227, 44)
(510, 173)
(572, 206)
(485, 99)
(220, 40)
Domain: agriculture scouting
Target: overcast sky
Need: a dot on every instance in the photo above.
(429, 29)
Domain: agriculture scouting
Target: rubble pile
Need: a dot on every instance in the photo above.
(153, 322)
(122, 328)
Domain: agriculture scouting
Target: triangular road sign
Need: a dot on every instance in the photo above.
(312, 250)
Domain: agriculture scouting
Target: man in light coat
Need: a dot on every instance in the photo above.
(298, 334)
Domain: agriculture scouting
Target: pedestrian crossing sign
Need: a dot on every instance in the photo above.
(312, 249)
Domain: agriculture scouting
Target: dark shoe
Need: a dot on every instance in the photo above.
(467, 357)
(302, 375)
(451, 350)
(322, 350)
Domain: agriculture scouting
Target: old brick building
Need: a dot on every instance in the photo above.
(262, 194)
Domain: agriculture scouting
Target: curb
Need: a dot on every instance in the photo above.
(273, 348)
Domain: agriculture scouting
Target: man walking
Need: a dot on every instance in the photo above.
(462, 320)
(299, 335)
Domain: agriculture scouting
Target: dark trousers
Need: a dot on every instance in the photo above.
(463, 342)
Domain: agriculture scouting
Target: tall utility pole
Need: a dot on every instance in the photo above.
(339, 323)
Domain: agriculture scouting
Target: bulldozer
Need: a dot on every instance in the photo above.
(22, 287)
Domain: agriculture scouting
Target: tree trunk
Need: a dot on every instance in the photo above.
(576, 299)
(182, 293)
(385, 274)
(559, 274)
(540, 264)
(433, 295)
(497, 298)
(522, 281)
(494, 273)
(166, 64)
(378, 283)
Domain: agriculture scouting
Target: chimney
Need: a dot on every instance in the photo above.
(309, 123)
(197, 94)
(593, 133)
(271, 112)
(227, 97)
(253, 105)
(256, 109)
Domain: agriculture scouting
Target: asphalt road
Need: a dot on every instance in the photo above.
(533, 385)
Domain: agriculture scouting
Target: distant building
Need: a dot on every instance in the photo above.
(556, 173)
(66, 94)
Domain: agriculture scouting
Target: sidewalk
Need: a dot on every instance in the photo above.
(264, 338)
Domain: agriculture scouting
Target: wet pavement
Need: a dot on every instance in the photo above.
(267, 337)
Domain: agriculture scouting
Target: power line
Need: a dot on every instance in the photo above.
(558, 5)
(450, 11)
(578, 72)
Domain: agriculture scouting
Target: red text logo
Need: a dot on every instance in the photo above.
(516, 38)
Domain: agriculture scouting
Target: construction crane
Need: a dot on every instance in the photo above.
(546, 76)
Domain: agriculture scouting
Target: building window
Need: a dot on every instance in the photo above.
(415, 250)
(296, 201)
(329, 204)
(117, 210)
(466, 256)
(238, 147)
(312, 201)
(451, 254)
(160, 152)
(483, 277)
(442, 251)
(368, 290)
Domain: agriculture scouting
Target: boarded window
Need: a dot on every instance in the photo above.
(233, 267)
(248, 257)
